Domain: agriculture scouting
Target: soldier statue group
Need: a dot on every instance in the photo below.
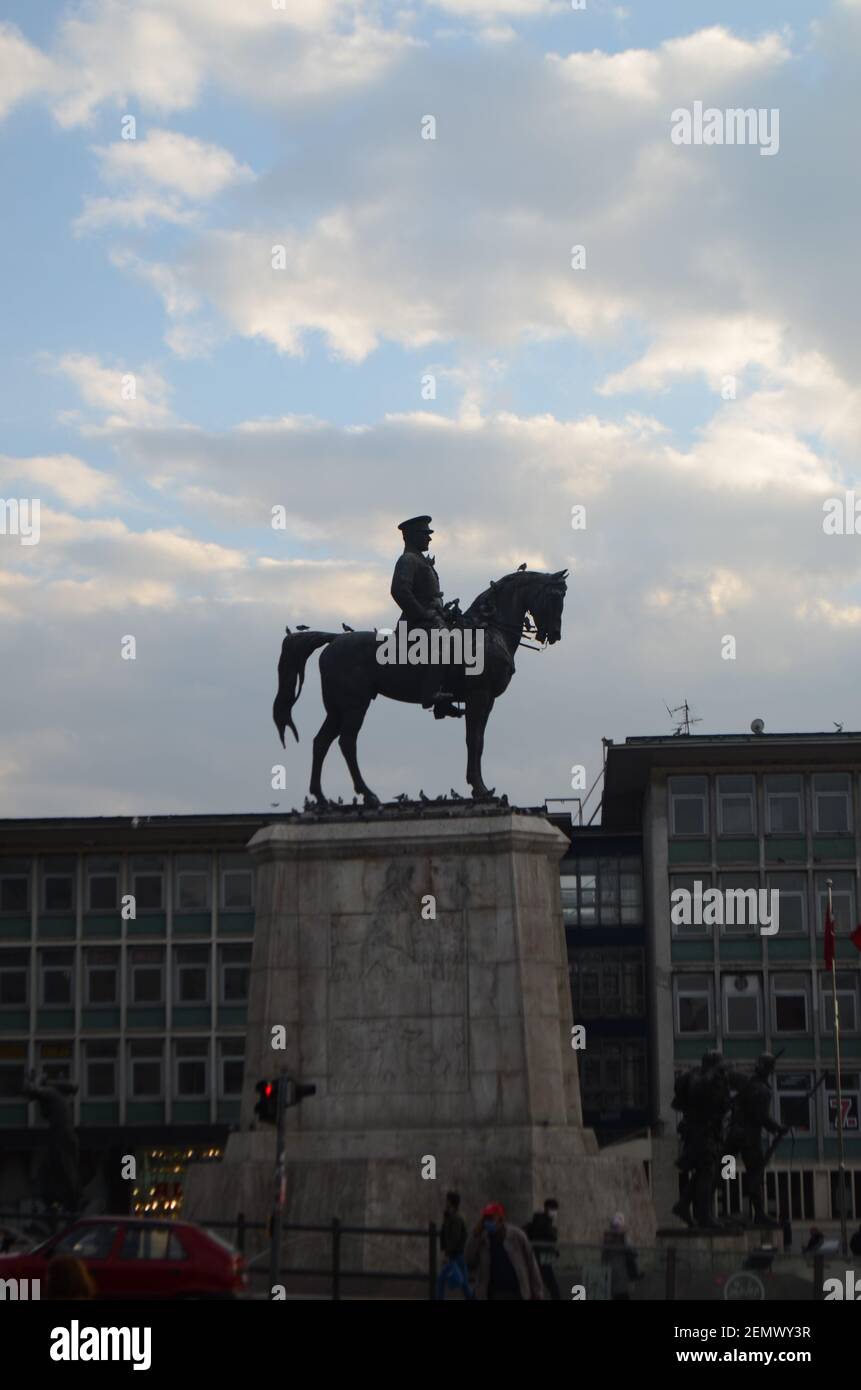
(723, 1114)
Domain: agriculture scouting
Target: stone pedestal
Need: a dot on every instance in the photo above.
(418, 966)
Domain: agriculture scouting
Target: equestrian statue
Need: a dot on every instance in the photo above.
(355, 668)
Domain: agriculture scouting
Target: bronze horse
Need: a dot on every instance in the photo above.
(351, 675)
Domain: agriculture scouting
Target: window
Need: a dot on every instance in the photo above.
(15, 886)
(100, 1070)
(842, 900)
(631, 889)
(736, 805)
(588, 891)
(608, 891)
(146, 975)
(231, 1066)
(147, 878)
(579, 893)
(13, 1069)
(740, 903)
(688, 805)
(103, 884)
(783, 793)
(695, 885)
(608, 879)
(831, 800)
(237, 883)
(794, 1107)
(192, 974)
(235, 968)
(633, 997)
(102, 973)
(58, 884)
(694, 1003)
(849, 1085)
(847, 1002)
(193, 872)
(742, 996)
(191, 1058)
(146, 1068)
(606, 984)
(151, 1243)
(92, 1242)
(56, 977)
(793, 902)
(851, 1181)
(570, 914)
(613, 1076)
(790, 995)
(14, 970)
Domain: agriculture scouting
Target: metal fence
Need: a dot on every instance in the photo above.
(683, 1270)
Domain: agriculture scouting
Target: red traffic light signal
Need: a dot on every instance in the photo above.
(266, 1108)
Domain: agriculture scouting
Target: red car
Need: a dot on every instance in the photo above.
(139, 1257)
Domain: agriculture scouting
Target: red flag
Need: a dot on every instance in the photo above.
(855, 938)
(829, 939)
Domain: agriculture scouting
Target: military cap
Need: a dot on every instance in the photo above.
(415, 523)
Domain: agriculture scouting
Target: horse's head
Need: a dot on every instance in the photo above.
(545, 605)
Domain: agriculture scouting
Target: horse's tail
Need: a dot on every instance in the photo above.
(295, 650)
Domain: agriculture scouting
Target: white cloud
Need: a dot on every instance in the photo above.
(139, 210)
(25, 72)
(157, 55)
(509, 9)
(73, 481)
(124, 396)
(193, 168)
(699, 63)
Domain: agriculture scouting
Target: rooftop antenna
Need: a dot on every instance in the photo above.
(683, 725)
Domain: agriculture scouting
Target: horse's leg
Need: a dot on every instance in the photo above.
(478, 709)
(325, 737)
(351, 723)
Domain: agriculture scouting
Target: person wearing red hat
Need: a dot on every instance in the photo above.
(506, 1269)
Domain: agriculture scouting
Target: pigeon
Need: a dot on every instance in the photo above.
(347, 629)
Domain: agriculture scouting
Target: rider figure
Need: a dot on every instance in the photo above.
(416, 591)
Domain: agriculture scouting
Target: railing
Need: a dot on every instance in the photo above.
(687, 1269)
(335, 1271)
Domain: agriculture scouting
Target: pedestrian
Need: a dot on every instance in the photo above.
(855, 1242)
(506, 1269)
(787, 1232)
(542, 1234)
(621, 1258)
(816, 1239)
(68, 1280)
(452, 1239)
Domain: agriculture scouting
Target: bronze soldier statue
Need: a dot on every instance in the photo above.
(57, 1173)
(703, 1097)
(416, 591)
(751, 1114)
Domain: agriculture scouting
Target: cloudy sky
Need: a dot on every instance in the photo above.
(694, 385)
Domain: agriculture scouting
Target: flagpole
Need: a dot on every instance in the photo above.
(844, 1243)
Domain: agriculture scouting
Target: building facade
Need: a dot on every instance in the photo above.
(125, 947)
(605, 931)
(780, 813)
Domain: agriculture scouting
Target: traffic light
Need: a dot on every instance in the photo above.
(266, 1108)
(297, 1091)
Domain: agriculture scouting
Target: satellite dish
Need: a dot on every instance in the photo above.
(757, 726)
